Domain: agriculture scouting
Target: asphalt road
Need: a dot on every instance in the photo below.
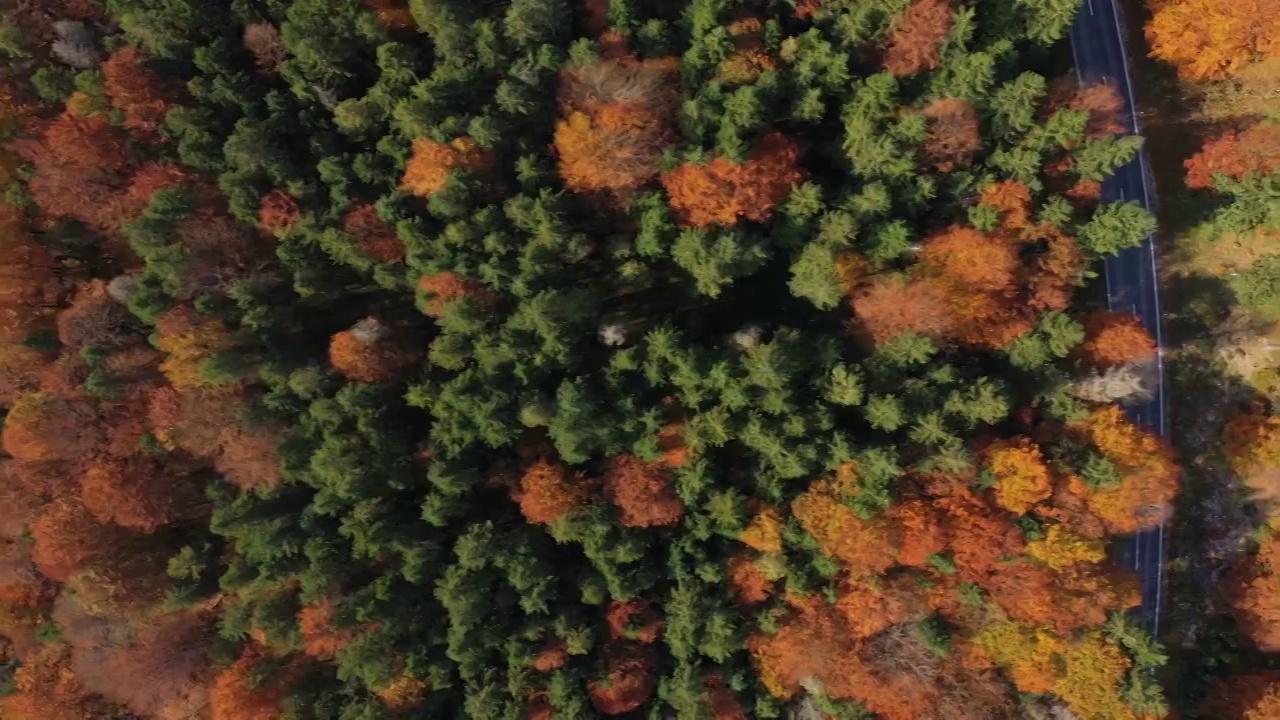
(1097, 42)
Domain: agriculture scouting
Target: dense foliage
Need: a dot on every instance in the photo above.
(1220, 188)
(536, 358)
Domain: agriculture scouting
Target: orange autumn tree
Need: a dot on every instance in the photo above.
(749, 582)
(278, 212)
(371, 352)
(722, 192)
(1211, 39)
(67, 537)
(1022, 478)
(751, 58)
(1253, 152)
(238, 693)
(1012, 201)
(1148, 472)
(954, 134)
(978, 276)
(135, 90)
(80, 165)
(633, 620)
(617, 122)
(890, 305)
(963, 260)
(139, 492)
(1113, 338)
(374, 237)
(428, 169)
(1088, 673)
(189, 339)
(320, 639)
(863, 547)
(764, 532)
(444, 287)
(46, 688)
(548, 492)
(628, 680)
(1255, 597)
(1252, 443)
(915, 39)
(642, 491)
(44, 426)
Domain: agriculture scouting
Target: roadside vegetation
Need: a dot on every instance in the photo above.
(555, 359)
(1218, 67)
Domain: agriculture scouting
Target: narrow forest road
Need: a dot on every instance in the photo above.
(1097, 42)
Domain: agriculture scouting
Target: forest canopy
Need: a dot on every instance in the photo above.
(567, 359)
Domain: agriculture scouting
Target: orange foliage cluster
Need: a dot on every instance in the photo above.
(548, 492)
(140, 492)
(392, 14)
(617, 122)
(1254, 152)
(1101, 100)
(723, 703)
(189, 338)
(721, 192)
(1113, 338)
(890, 305)
(552, 656)
(764, 533)
(1256, 597)
(750, 58)
(403, 693)
(376, 238)
(208, 424)
(80, 167)
(979, 289)
(954, 134)
(749, 582)
(429, 167)
(237, 696)
(135, 90)
(278, 212)
(1252, 442)
(444, 287)
(1022, 478)
(67, 537)
(1038, 595)
(27, 292)
(1210, 39)
(633, 620)
(370, 352)
(1087, 673)
(320, 639)
(915, 39)
(1149, 473)
(42, 426)
(643, 491)
(892, 672)
(863, 547)
(629, 680)
(47, 688)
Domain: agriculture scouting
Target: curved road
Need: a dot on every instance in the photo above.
(1097, 42)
